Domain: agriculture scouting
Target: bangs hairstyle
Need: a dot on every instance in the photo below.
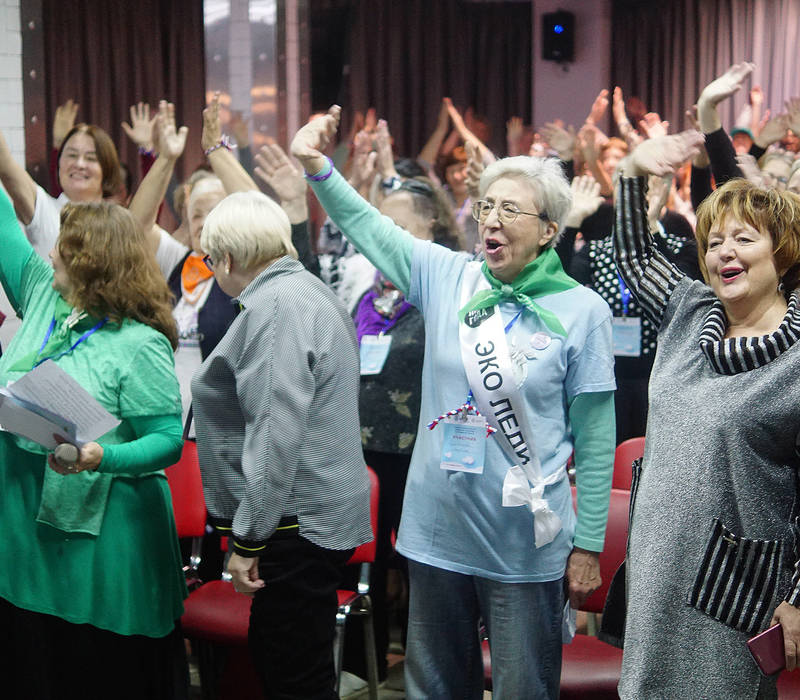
(110, 268)
(431, 202)
(551, 191)
(106, 156)
(249, 226)
(772, 212)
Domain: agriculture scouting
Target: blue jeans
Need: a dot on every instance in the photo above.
(443, 654)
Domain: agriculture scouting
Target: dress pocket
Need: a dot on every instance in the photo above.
(737, 579)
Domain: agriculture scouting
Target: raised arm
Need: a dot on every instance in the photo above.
(645, 270)
(466, 135)
(718, 143)
(274, 167)
(16, 251)
(430, 151)
(224, 164)
(19, 185)
(385, 245)
(145, 203)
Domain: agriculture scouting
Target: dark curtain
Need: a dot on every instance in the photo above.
(110, 55)
(666, 52)
(405, 56)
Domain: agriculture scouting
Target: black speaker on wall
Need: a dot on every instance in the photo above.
(558, 36)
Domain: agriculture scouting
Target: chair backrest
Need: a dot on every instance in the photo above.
(366, 551)
(613, 552)
(186, 486)
(624, 455)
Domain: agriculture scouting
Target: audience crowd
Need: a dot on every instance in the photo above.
(481, 330)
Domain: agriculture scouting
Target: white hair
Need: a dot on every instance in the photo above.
(552, 193)
(250, 227)
(205, 185)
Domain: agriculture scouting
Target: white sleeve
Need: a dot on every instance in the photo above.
(170, 252)
(42, 231)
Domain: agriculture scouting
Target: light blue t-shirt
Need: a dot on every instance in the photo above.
(456, 520)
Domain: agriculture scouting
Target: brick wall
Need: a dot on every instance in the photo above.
(11, 115)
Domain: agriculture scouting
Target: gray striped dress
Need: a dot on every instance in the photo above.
(713, 545)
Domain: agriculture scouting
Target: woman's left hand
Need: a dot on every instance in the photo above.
(789, 618)
(583, 576)
(89, 458)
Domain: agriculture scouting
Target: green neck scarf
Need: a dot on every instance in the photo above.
(539, 278)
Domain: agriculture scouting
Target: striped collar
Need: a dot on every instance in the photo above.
(735, 355)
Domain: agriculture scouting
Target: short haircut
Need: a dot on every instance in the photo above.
(772, 212)
(250, 227)
(204, 185)
(106, 156)
(552, 193)
(613, 142)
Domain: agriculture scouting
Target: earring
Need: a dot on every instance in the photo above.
(781, 287)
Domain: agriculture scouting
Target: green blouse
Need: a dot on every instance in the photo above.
(96, 547)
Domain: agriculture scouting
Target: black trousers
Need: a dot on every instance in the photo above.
(293, 619)
(43, 657)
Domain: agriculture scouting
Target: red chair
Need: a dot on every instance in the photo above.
(216, 615)
(188, 505)
(591, 668)
(625, 454)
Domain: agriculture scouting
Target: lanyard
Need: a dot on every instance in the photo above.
(625, 293)
(469, 407)
(97, 327)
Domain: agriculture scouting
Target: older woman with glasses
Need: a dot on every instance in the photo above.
(517, 374)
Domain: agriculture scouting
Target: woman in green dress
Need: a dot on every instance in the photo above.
(90, 575)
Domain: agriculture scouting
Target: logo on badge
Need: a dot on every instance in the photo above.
(474, 318)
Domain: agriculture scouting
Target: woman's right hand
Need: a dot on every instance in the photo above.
(586, 200)
(244, 574)
(308, 143)
(663, 155)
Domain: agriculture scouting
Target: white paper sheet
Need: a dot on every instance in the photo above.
(60, 403)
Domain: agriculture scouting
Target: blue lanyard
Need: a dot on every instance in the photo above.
(50, 330)
(625, 293)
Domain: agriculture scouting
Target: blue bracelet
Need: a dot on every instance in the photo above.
(320, 178)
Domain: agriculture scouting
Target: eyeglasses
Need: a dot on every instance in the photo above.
(507, 213)
(209, 262)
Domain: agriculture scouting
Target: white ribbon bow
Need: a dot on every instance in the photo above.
(517, 491)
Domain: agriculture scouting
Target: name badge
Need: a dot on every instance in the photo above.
(626, 334)
(464, 444)
(373, 353)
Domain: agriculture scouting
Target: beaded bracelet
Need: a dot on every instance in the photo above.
(146, 152)
(224, 142)
(320, 178)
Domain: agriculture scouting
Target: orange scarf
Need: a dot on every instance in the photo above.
(194, 272)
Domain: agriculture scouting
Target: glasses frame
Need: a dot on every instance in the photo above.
(209, 262)
(502, 214)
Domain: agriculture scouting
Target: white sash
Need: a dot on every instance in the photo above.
(489, 368)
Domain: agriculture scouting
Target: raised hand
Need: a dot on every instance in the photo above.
(63, 121)
(701, 159)
(750, 169)
(727, 84)
(772, 129)
(363, 169)
(171, 140)
(652, 125)
(274, 167)
(599, 107)
(793, 110)
(384, 156)
(514, 131)
(140, 130)
(624, 126)
(756, 96)
(658, 189)
(586, 200)
(239, 129)
(662, 156)
(474, 170)
(212, 127)
(310, 140)
(560, 139)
